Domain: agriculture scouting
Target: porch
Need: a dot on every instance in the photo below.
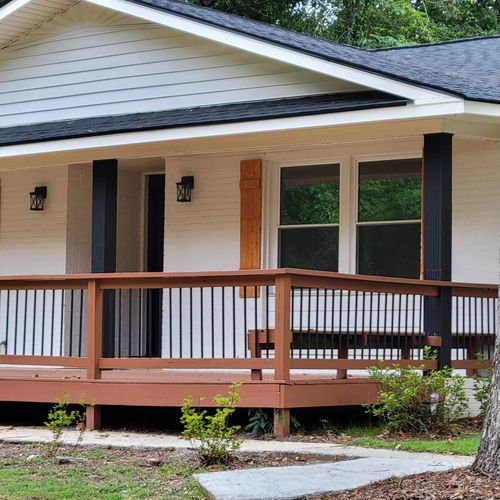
(295, 338)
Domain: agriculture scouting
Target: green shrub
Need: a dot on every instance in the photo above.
(260, 421)
(482, 386)
(60, 418)
(414, 403)
(212, 437)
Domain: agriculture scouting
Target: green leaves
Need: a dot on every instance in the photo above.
(414, 403)
(212, 437)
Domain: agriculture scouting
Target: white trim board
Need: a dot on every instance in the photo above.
(259, 126)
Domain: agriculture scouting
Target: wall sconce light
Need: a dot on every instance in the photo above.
(37, 197)
(184, 188)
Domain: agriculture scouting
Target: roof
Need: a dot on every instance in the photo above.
(467, 68)
(203, 115)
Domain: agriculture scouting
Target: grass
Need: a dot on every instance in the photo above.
(104, 479)
(466, 444)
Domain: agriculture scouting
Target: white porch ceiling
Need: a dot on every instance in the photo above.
(16, 22)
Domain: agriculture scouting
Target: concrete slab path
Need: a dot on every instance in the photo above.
(272, 482)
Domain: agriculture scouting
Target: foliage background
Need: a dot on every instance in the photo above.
(373, 23)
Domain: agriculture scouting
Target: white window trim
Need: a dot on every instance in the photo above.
(363, 158)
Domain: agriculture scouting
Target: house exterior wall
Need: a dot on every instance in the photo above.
(91, 61)
(33, 242)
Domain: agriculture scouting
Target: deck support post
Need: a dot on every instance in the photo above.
(104, 216)
(437, 213)
(283, 285)
(282, 422)
(92, 417)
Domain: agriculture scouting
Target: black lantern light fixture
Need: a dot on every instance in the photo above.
(37, 197)
(184, 188)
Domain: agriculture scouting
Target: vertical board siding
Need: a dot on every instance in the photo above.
(90, 62)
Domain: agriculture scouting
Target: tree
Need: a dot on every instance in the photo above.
(373, 23)
(488, 457)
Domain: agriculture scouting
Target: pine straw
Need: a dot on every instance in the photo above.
(460, 484)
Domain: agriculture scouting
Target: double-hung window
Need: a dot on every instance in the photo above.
(389, 218)
(309, 217)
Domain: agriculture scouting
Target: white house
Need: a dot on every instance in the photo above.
(301, 153)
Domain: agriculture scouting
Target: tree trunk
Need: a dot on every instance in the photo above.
(488, 457)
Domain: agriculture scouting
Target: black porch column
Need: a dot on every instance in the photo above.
(104, 212)
(437, 210)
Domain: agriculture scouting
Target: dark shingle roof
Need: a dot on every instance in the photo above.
(468, 68)
(203, 115)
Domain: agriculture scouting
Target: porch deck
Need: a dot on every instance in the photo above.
(294, 338)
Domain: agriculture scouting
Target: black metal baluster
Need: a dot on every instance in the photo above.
(316, 335)
(130, 322)
(15, 321)
(308, 322)
(245, 325)
(70, 323)
(391, 332)
(213, 320)
(25, 320)
(139, 321)
(301, 304)
(267, 319)
(61, 325)
(34, 327)
(363, 332)
(256, 325)
(52, 319)
(325, 306)
(202, 335)
(348, 323)
(292, 322)
(119, 322)
(413, 323)
(378, 323)
(355, 338)
(370, 331)
(234, 320)
(341, 337)
(223, 319)
(80, 334)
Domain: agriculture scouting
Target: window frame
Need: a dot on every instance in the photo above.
(280, 227)
(355, 208)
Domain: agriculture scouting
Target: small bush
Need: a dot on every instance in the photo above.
(482, 386)
(414, 403)
(212, 437)
(260, 421)
(60, 418)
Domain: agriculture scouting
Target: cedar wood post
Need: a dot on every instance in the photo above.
(94, 347)
(283, 285)
(437, 238)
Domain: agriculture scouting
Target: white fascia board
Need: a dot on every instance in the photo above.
(11, 7)
(390, 114)
(482, 108)
(270, 50)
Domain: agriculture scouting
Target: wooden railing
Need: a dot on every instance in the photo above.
(277, 320)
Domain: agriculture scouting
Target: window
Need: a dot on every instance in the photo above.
(389, 218)
(309, 217)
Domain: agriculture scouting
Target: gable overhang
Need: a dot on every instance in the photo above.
(420, 95)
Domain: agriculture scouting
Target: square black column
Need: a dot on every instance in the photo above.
(104, 214)
(437, 215)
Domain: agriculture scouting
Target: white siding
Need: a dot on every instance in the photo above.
(476, 211)
(203, 235)
(33, 242)
(90, 61)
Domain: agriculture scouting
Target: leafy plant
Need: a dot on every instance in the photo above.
(482, 386)
(211, 436)
(411, 403)
(259, 421)
(60, 418)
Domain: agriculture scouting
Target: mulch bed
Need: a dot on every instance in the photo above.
(157, 457)
(460, 484)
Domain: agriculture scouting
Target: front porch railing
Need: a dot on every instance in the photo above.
(277, 320)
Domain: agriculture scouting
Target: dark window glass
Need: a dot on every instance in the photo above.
(390, 190)
(389, 250)
(310, 195)
(310, 248)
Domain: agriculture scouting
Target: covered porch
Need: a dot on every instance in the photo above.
(120, 293)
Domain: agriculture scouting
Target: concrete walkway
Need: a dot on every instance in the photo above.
(272, 482)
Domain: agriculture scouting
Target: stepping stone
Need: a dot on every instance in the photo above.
(273, 483)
